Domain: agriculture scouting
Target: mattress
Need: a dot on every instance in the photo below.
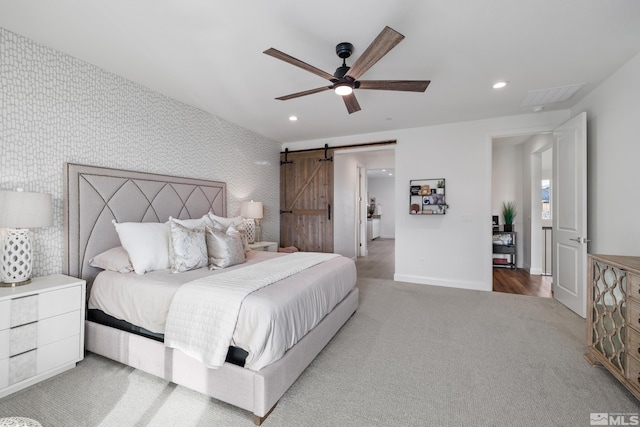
(271, 320)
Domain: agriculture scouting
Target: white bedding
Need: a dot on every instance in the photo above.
(203, 313)
(301, 301)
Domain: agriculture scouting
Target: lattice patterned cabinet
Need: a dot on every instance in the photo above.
(41, 330)
(613, 322)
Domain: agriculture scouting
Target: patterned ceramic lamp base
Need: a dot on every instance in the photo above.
(250, 226)
(15, 264)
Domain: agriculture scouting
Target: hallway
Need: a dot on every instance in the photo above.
(380, 264)
(380, 261)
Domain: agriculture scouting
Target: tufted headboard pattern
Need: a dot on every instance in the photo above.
(94, 196)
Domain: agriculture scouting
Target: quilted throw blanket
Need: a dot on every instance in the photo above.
(203, 313)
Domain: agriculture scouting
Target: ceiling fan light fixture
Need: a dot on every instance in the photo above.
(500, 85)
(343, 89)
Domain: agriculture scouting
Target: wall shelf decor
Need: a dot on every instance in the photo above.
(427, 197)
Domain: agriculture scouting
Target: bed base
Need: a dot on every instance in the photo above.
(255, 391)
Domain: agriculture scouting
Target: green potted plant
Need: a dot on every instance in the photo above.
(509, 214)
(440, 188)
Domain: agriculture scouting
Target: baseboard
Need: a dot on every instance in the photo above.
(461, 284)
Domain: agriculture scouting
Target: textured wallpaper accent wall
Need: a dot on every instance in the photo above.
(55, 108)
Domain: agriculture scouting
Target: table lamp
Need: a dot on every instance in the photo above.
(252, 212)
(19, 211)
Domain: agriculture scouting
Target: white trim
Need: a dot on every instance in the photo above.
(421, 280)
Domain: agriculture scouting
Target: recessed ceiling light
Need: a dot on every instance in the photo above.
(538, 108)
(384, 170)
(499, 85)
(293, 118)
(390, 174)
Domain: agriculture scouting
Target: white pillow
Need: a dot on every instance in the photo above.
(116, 259)
(147, 244)
(225, 248)
(188, 249)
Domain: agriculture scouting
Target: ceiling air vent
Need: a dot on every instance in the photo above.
(548, 96)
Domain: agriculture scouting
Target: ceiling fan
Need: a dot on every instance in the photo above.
(345, 79)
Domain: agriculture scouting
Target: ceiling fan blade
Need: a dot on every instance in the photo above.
(404, 85)
(293, 61)
(351, 102)
(386, 40)
(306, 92)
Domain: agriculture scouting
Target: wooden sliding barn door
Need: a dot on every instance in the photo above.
(306, 200)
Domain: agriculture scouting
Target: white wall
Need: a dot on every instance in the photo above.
(457, 253)
(55, 108)
(613, 133)
(532, 200)
(383, 189)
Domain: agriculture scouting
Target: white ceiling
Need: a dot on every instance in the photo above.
(209, 54)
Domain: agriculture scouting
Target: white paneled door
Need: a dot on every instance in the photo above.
(569, 206)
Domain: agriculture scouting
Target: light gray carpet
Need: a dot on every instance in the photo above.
(412, 355)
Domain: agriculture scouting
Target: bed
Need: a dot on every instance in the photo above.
(251, 379)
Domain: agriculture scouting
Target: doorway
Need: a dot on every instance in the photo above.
(568, 206)
(517, 172)
(359, 176)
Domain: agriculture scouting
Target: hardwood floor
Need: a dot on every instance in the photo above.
(520, 282)
(380, 264)
(380, 261)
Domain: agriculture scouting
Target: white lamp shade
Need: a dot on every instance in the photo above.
(21, 209)
(252, 210)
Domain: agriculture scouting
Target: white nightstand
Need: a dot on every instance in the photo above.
(41, 330)
(264, 246)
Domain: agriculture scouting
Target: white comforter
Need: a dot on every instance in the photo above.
(203, 313)
(271, 320)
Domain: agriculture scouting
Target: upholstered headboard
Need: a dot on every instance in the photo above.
(94, 196)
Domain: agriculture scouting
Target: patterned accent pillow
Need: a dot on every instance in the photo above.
(194, 223)
(225, 248)
(221, 223)
(188, 249)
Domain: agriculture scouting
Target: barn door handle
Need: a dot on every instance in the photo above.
(329, 212)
